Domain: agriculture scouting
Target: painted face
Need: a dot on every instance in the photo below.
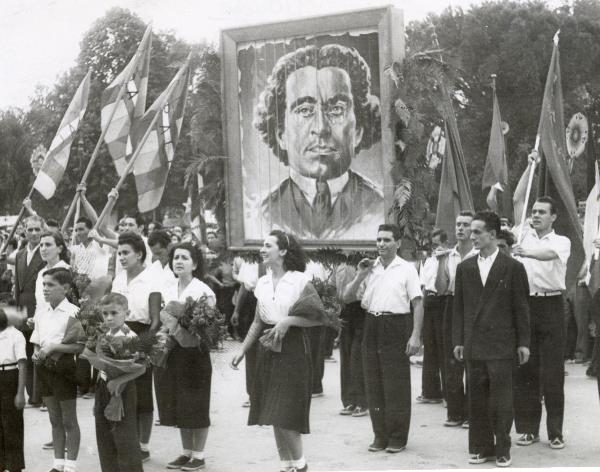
(33, 231)
(541, 216)
(114, 316)
(54, 292)
(81, 231)
(463, 228)
(48, 249)
(387, 246)
(129, 224)
(183, 262)
(320, 133)
(270, 251)
(480, 236)
(128, 257)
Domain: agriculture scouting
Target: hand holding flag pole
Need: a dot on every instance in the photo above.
(534, 160)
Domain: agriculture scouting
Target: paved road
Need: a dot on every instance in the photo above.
(337, 442)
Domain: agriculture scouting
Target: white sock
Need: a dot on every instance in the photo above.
(299, 464)
(198, 455)
(70, 466)
(144, 447)
(59, 464)
(187, 452)
(285, 465)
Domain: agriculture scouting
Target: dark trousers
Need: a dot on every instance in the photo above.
(490, 406)
(545, 369)
(118, 445)
(32, 385)
(316, 339)
(387, 375)
(11, 424)
(433, 373)
(351, 369)
(86, 376)
(581, 312)
(330, 335)
(456, 397)
(225, 305)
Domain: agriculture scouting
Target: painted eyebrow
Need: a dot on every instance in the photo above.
(340, 97)
(302, 100)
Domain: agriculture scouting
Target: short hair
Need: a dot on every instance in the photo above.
(37, 218)
(395, 230)
(294, 259)
(491, 220)
(135, 241)
(3, 320)
(59, 240)
(195, 254)
(507, 236)
(159, 237)
(86, 221)
(550, 201)
(52, 222)
(114, 299)
(139, 219)
(465, 213)
(270, 110)
(441, 233)
(60, 274)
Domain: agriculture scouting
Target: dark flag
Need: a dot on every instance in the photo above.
(554, 178)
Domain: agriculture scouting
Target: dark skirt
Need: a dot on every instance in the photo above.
(281, 390)
(183, 389)
(143, 384)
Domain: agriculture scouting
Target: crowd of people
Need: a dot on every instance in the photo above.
(491, 314)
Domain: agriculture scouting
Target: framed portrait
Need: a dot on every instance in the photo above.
(306, 122)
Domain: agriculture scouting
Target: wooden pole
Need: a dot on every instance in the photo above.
(532, 166)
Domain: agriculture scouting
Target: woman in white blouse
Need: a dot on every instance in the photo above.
(281, 390)
(138, 284)
(53, 251)
(183, 389)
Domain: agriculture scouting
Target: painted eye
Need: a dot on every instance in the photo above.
(337, 110)
(305, 111)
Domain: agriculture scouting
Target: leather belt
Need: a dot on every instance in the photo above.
(546, 294)
(12, 366)
(383, 313)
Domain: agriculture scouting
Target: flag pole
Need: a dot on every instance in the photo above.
(138, 150)
(17, 222)
(532, 164)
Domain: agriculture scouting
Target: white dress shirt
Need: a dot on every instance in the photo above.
(51, 324)
(485, 264)
(195, 289)
(274, 303)
(546, 276)
(392, 288)
(308, 186)
(138, 293)
(30, 253)
(12, 346)
(454, 258)
(40, 303)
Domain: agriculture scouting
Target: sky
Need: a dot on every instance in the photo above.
(39, 39)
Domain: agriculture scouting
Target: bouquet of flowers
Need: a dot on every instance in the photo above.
(91, 321)
(115, 355)
(160, 349)
(328, 295)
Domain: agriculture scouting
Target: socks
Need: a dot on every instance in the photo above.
(59, 464)
(187, 453)
(70, 466)
(198, 455)
(298, 464)
(144, 447)
(285, 465)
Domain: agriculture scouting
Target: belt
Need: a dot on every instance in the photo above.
(431, 293)
(546, 294)
(383, 313)
(12, 366)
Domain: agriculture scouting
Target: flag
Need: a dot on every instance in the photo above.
(160, 126)
(128, 94)
(495, 173)
(591, 225)
(554, 178)
(57, 157)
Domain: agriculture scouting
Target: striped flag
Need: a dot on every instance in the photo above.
(128, 94)
(57, 157)
(157, 132)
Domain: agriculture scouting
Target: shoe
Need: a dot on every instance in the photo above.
(194, 464)
(480, 458)
(422, 399)
(359, 411)
(378, 445)
(557, 443)
(528, 439)
(43, 408)
(246, 404)
(503, 461)
(179, 462)
(347, 410)
(296, 469)
(452, 423)
(48, 446)
(318, 394)
(394, 447)
(145, 456)
(465, 424)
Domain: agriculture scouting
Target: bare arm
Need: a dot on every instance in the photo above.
(253, 334)
(540, 254)
(414, 343)
(20, 396)
(154, 303)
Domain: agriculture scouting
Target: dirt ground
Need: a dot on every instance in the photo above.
(336, 443)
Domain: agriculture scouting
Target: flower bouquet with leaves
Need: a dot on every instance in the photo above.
(328, 295)
(91, 321)
(161, 348)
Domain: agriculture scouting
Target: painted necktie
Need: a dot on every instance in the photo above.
(321, 207)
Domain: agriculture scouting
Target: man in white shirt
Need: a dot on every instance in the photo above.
(159, 242)
(544, 255)
(87, 256)
(388, 286)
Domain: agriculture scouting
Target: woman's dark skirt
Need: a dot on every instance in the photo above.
(143, 384)
(281, 390)
(183, 389)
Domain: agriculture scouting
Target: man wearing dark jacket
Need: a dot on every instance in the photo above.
(490, 330)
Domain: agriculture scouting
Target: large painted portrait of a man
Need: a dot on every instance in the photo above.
(310, 136)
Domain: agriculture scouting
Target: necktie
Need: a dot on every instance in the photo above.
(321, 206)
(442, 278)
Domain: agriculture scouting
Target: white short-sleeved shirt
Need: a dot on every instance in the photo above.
(51, 324)
(248, 275)
(391, 289)
(138, 293)
(12, 346)
(91, 260)
(195, 289)
(274, 304)
(454, 258)
(163, 274)
(40, 303)
(546, 276)
(428, 273)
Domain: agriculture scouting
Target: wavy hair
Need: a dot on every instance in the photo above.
(195, 254)
(59, 240)
(294, 258)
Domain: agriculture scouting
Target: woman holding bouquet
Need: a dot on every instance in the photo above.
(281, 391)
(138, 284)
(184, 387)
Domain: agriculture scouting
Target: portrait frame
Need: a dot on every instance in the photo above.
(387, 23)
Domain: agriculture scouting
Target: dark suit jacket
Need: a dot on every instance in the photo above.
(288, 209)
(491, 321)
(25, 277)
